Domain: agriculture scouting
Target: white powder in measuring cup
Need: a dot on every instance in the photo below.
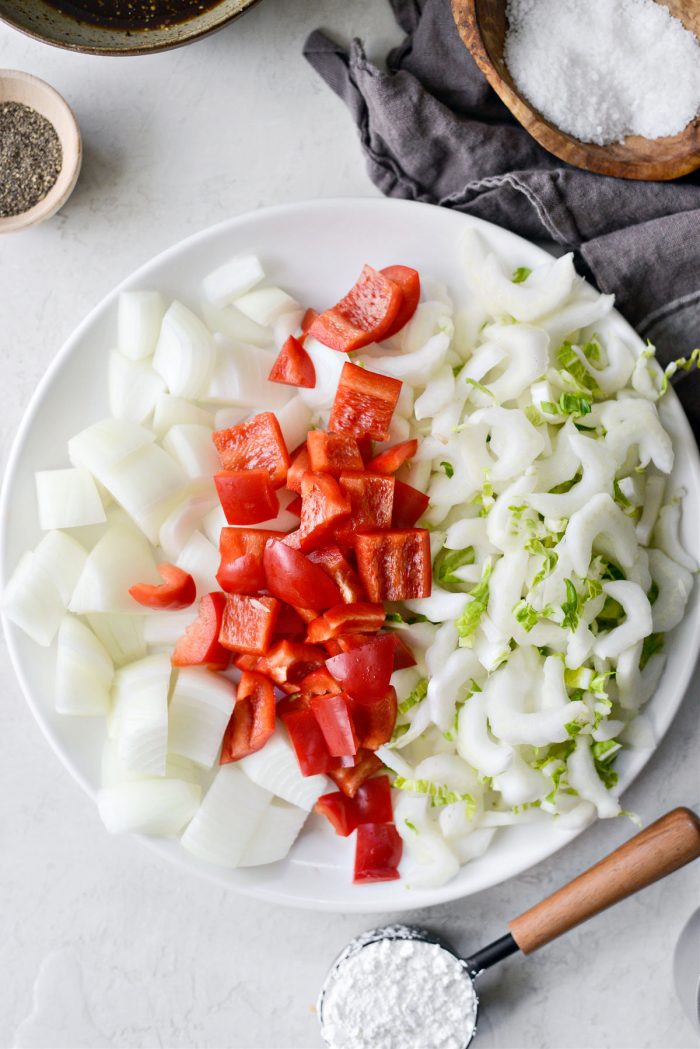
(604, 69)
(399, 994)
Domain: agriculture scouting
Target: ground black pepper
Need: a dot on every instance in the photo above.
(30, 158)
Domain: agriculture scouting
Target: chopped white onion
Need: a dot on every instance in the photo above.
(113, 772)
(104, 444)
(185, 353)
(122, 635)
(201, 559)
(164, 629)
(32, 602)
(62, 558)
(276, 768)
(139, 716)
(286, 324)
(67, 499)
(200, 708)
(239, 377)
(134, 388)
(213, 523)
(147, 484)
(84, 670)
(140, 314)
(234, 278)
(148, 806)
(192, 447)
(265, 305)
(227, 818)
(295, 422)
(275, 835)
(328, 364)
(197, 500)
(176, 411)
(120, 559)
(235, 325)
(224, 418)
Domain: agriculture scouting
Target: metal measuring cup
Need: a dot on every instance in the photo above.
(663, 847)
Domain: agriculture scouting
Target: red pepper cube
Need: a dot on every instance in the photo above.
(392, 459)
(409, 505)
(318, 631)
(254, 445)
(365, 672)
(308, 742)
(350, 779)
(294, 578)
(408, 281)
(298, 467)
(335, 564)
(356, 618)
(307, 320)
(403, 656)
(373, 801)
(374, 722)
(395, 565)
(199, 645)
(289, 662)
(293, 366)
(319, 683)
(364, 403)
(333, 453)
(335, 721)
(363, 316)
(339, 810)
(246, 496)
(377, 853)
(290, 626)
(253, 718)
(178, 590)
(295, 506)
(241, 568)
(323, 505)
(248, 623)
(371, 498)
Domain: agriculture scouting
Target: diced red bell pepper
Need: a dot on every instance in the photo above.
(332, 647)
(373, 801)
(308, 319)
(337, 566)
(293, 578)
(244, 661)
(333, 453)
(364, 315)
(339, 810)
(298, 467)
(335, 720)
(254, 445)
(365, 672)
(288, 662)
(403, 656)
(409, 505)
(293, 366)
(323, 505)
(178, 590)
(349, 780)
(388, 462)
(408, 281)
(308, 742)
(199, 645)
(359, 618)
(349, 642)
(289, 626)
(306, 614)
(371, 498)
(241, 568)
(319, 683)
(366, 446)
(253, 719)
(293, 539)
(294, 507)
(248, 623)
(292, 701)
(246, 496)
(377, 853)
(374, 723)
(364, 403)
(395, 565)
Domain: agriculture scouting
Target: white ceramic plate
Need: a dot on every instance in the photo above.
(315, 251)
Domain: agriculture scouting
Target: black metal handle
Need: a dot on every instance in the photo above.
(490, 955)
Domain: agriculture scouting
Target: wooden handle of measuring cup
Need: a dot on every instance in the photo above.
(660, 849)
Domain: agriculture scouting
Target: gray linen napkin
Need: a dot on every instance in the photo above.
(433, 130)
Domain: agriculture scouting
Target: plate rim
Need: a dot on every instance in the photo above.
(418, 898)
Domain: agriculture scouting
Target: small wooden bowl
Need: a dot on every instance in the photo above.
(482, 25)
(30, 91)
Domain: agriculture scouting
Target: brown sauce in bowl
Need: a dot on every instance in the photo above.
(133, 14)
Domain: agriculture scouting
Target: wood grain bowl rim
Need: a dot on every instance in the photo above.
(589, 156)
(140, 49)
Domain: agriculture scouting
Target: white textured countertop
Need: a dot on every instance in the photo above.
(100, 943)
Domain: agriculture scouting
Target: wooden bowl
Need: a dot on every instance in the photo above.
(482, 25)
(32, 92)
(42, 21)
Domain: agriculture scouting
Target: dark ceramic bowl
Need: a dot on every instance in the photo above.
(44, 22)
